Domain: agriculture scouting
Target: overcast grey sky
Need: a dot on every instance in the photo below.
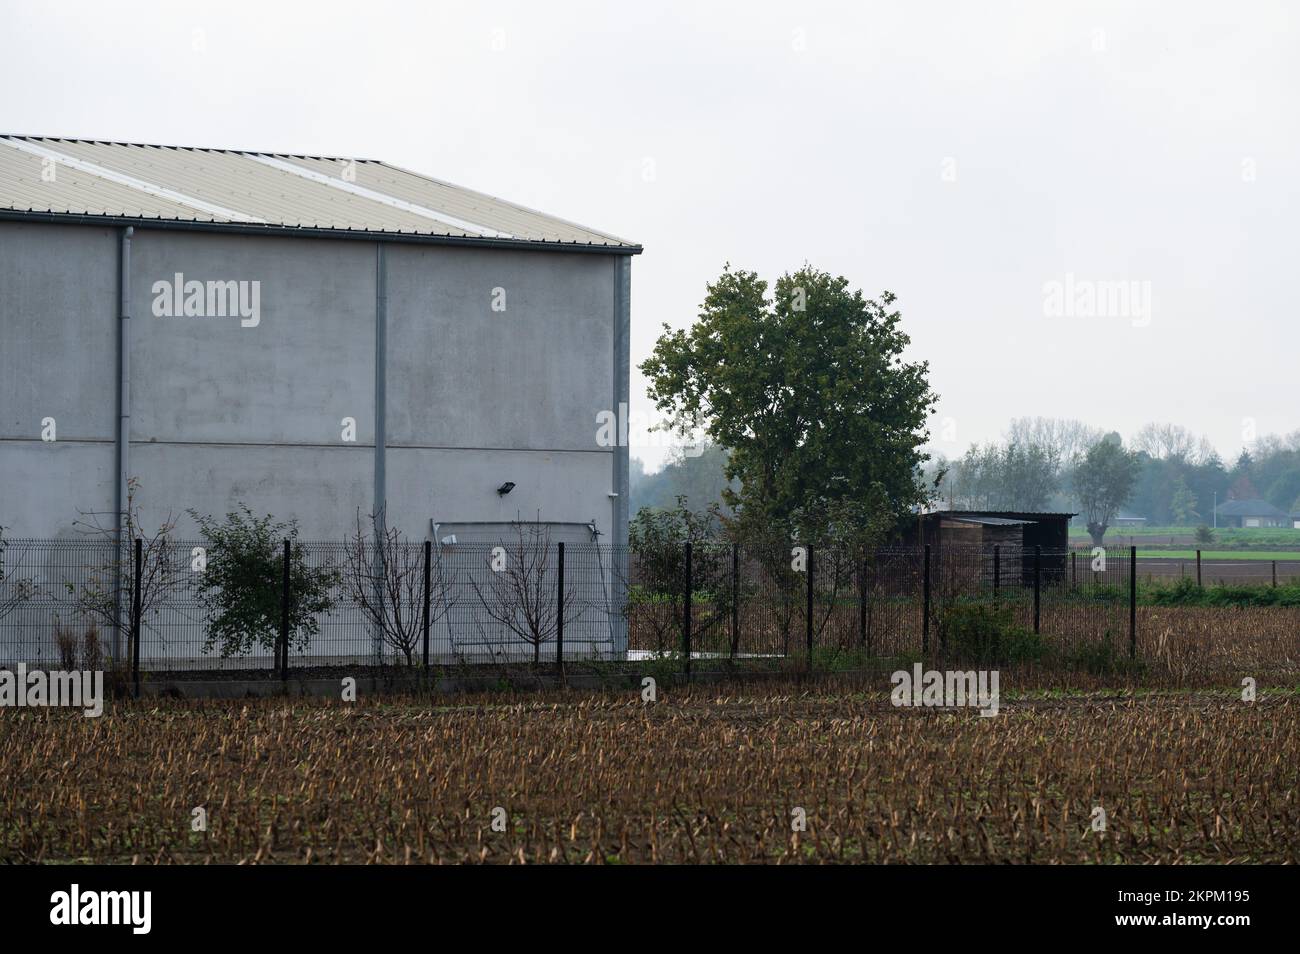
(962, 155)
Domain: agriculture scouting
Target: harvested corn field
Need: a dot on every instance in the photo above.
(791, 772)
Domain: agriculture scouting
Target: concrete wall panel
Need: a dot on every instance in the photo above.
(463, 375)
(322, 487)
(308, 363)
(455, 486)
(58, 331)
(47, 487)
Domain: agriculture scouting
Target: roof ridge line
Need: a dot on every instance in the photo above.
(164, 145)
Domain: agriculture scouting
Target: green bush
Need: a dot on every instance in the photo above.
(1186, 593)
(241, 588)
(987, 635)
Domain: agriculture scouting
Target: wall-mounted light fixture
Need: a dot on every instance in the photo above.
(505, 488)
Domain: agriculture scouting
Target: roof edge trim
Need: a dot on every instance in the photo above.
(290, 231)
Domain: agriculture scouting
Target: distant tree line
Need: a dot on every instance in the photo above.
(1042, 464)
(1164, 473)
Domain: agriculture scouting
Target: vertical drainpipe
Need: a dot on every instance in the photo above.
(122, 444)
(620, 502)
(381, 431)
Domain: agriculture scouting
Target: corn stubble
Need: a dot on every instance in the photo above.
(703, 775)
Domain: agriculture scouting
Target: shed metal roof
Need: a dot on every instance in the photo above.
(988, 521)
(1030, 516)
(230, 189)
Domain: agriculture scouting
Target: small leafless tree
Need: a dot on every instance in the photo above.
(13, 590)
(106, 594)
(384, 575)
(519, 591)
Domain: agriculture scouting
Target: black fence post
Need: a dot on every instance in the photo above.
(1132, 602)
(1038, 587)
(135, 615)
(809, 621)
(735, 599)
(1198, 567)
(925, 603)
(686, 616)
(559, 609)
(1274, 573)
(862, 604)
(284, 618)
(1074, 570)
(424, 620)
(997, 571)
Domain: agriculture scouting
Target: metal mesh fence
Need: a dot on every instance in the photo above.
(70, 603)
(65, 601)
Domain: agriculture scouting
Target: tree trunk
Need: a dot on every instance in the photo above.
(1097, 531)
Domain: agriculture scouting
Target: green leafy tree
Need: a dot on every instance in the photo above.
(1103, 481)
(1030, 474)
(1023, 475)
(657, 538)
(807, 389)
(241, 586)
(1183, 505)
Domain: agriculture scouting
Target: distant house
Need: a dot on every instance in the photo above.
(1252, 513)
(1128, 520)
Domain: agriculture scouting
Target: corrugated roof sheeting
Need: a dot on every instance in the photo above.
(73, 192)
(123, 180)
(463, 203)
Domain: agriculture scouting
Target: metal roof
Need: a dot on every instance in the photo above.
(987, 521)
(1249, 508)
(177, 186)
(1028, 515)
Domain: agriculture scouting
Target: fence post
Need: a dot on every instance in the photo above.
(1198, 567)
(424, 620)
(559, 610)
(1038, 586)
(997, 571)
(686, 616)
(862, 604)
(925, 603)
(809, 620)
(135, 615)
(1275, 573)
(1074, 570)
(1132, 602)
(735, 599)
(284, 618)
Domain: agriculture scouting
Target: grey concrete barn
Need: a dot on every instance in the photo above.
(315, 337)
